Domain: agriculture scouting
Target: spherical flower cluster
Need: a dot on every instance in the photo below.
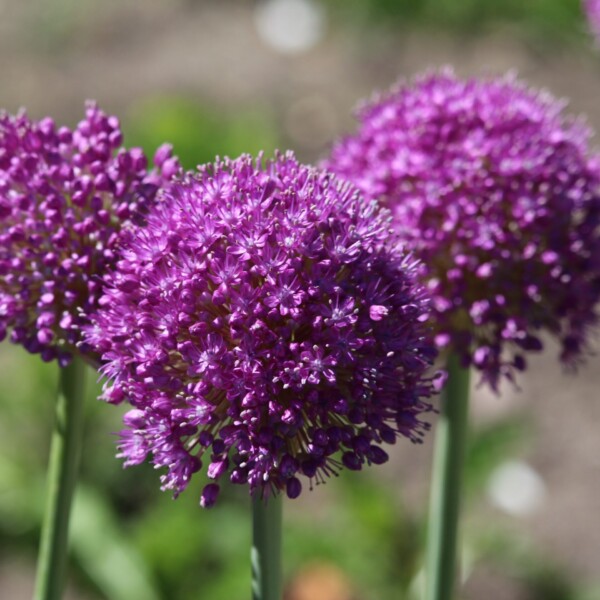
(263, 322)
(64, 196)
(592, 9)
(499, 196)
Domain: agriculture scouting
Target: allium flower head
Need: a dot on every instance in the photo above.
(263, 322)
(64, 196)
(499, 197)
(592, 8)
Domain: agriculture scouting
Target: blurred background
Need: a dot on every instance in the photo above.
(230, 76)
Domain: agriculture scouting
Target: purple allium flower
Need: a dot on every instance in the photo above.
(499, 196)
(592, 9)
(263, 321)
(64, 196)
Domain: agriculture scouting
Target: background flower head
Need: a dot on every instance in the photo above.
(64, 197)
(499, 196)
(263, 322)
(592, 9)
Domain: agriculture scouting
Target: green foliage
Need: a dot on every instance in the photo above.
(542, 16)
(200, 132)
(104, 552)
(489, 446)
(191, 549)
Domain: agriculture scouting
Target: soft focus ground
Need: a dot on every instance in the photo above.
(199, 74)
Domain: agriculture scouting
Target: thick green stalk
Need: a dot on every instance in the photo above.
(266, 548)
(63, 465)
(447, 483)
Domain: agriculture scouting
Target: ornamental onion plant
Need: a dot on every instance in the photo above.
(592, 10)
(65, 195)
(498, 194)
(267, 328)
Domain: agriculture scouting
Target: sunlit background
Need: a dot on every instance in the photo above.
(221, 77)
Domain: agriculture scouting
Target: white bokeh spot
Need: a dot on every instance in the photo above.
(290, 26)
(516, 488)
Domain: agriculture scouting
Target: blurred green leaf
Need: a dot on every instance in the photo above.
(104, 551)
(561, 18)
(490, 446)
(198, 132)
(208, 552)
(21, 497)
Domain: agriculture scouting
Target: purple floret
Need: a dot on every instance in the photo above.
(64, 197)
(264, 321)
(499, 196)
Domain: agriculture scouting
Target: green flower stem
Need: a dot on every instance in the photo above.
(63, 465)
(446, 484)
(266, 548)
